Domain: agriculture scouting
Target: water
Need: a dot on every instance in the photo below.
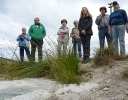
(9, 89)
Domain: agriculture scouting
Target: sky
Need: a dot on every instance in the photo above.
(15, 14)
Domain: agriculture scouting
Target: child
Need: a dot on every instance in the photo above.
(63, 36)
(76, 39)
(24, 44)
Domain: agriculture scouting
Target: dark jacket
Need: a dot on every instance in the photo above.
(85, 23)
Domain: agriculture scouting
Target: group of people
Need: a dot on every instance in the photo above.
(112, 27)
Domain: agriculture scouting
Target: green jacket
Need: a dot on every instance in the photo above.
(37, 32)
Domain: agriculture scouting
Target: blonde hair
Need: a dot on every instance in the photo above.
(88, 13)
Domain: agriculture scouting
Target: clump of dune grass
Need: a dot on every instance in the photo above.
(60, 66)
(104, 56)
(125, 73)
(65, 68)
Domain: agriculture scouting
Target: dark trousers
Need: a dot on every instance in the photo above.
(22, 53)
(103, 32)
(86, 46)
(36, 44)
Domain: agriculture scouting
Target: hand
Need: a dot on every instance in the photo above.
(100, 15)
(21, 35)
(109, 32)
(127, 27)
(83, 32)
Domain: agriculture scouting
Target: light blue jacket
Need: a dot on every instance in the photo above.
(22, 40)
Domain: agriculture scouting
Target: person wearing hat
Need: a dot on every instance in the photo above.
(76, 39)
(63, 36)
(102, 23)
(117, 22)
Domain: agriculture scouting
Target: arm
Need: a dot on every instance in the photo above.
(89, 25)
(125, 16)
(109, 30)
(27, 37)
(18, 38)
(30, 31)
(98, 20)
(79, 26)
(66, 31)
(61, 31)
(44, 32)
(71, 34)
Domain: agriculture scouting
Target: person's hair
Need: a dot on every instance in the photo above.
(101, 8)
(23, 28)
(88, 13)
(75, 21)
(37, 18)
(64, 20)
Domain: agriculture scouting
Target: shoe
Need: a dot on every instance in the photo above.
(85, 61)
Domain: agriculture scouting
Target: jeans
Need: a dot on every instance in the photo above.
(36, 44)
(86, 46)
(22, 53)
(75, 45)
(103, 32)
(118, 33)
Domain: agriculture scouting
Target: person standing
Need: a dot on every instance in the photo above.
(24, 40)
(76, 39)
(63, 36)
(102, 22)
(117, 22)
(37, 32)
(85, 28)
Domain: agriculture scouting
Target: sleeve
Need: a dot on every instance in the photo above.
(79, 26)
(89, 25)
(98, 20)
(109, 23)
(125, 16)
(71, 33)
(18, 38)
(44, 32)
(66, 31)
(58, 32)
(28, 38)
(30, 31)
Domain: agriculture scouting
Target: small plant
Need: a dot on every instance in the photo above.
(104, 56)
(124, 73)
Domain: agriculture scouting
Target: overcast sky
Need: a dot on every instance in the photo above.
(15, 14)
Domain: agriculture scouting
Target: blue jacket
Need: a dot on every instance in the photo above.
(22, 40)
(117, 17)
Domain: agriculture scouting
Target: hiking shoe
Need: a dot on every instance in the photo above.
(85, 61)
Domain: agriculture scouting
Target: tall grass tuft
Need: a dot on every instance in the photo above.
(124, 73)
(65, 68)
(60, 66)
(104, 56)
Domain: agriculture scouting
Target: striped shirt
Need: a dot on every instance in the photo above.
(102, 21)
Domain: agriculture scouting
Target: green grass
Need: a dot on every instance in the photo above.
(63, 68)
(125, 73)
(104, 56)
